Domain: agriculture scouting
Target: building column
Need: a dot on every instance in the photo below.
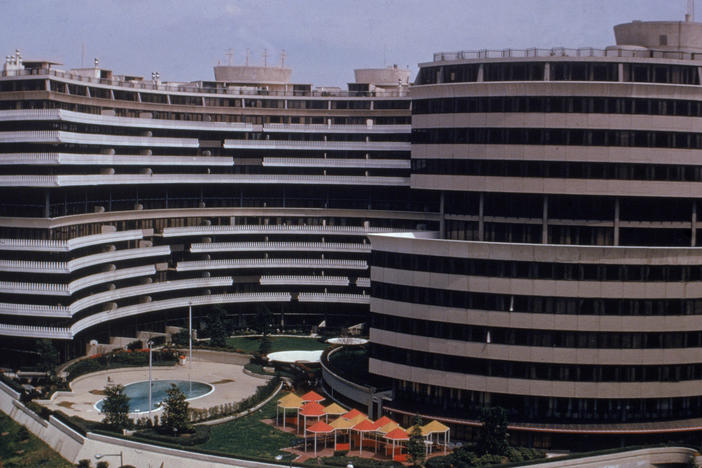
(693, 230)
(442, 220)
(481, 217)
(47, 204)
(544, 221)
(616, 221)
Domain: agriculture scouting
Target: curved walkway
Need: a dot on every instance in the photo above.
(230, 382)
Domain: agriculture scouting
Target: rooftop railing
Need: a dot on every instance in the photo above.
(200, 88)
(565, 52)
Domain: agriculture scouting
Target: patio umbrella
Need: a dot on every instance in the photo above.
(320, 427)
(289, 401)
(312, 396)
(364, 426)
(396, 435)
(435, 427)
(353, 413)
(334, 410)
(341, 424)
(312, 410)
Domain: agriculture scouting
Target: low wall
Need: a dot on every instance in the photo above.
(340, 385)
(54, 433)
(655, 457)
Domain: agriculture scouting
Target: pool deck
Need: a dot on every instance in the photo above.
(230, 383)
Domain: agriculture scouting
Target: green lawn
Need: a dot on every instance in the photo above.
(249, 437)
(28, 453)
(250, 344)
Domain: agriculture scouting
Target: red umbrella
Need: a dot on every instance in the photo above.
(312, 396)
(320, 427)
(364, 426)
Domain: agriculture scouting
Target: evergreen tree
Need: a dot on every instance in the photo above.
(48, 356)
(175, 412)
(415, 446)
(115, 407)
(493, 436)
(216, 328)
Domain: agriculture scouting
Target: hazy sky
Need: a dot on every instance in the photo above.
(324, 39)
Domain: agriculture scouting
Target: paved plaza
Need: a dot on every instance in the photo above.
(230, 384)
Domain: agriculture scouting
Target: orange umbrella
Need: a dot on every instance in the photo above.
(312, 396)
(311, 409)
(396, 435)
(320, 427)
(352, 414)
(364, 426)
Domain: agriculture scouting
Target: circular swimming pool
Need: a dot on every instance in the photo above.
(138, 393)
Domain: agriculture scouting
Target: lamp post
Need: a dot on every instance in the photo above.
(150, 344)
(121, 457)
(190, 347)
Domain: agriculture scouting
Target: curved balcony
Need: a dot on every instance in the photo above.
(141, 179)
(74, 159)
(319, 145)
(40, 245)
(176, 303)
(328, 128)
(363, 282)
(30, 331)
(542, 185)
(151, 288)
(338, 162)
(34, 310)
(334, 297)
(306, 263)
(280, 247)
(300, 280)
(31, 266)
(271, 229)
(58, 136)
(113, 121)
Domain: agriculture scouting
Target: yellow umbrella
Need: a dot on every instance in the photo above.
(289, 401)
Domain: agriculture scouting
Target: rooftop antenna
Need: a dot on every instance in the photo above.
(265, 57)
(690, 14)
(247, 56)
(283, 55)
(229, 54)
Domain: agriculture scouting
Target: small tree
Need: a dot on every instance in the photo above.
(264, 346)
(135, 345)
(48, 356)
(216, 328)
(175, 411)
(115, 407)
(493, 436)
(415, 445)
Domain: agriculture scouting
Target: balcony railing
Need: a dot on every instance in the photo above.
(59, 136)
(41, 245)
(75, 159)
(175, 303)
(280, 246)
(32, 266)
(337, 162)
(334, 297)
(320, 145)
(229, 264)
(272, 229)
(565, 52)
(301, 280)
(140, 179)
